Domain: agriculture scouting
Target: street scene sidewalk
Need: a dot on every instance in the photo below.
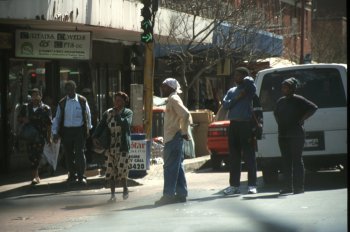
(19, 183)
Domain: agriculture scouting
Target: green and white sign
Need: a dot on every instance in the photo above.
(53, 44)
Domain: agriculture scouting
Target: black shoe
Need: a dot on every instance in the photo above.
(286, 191)
(165, 200)
(71, 180)
(125, 194)
(82, 181)
(180, 199)
(298, 191)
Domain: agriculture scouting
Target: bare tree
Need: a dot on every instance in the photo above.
(332, 47)
(202, 33)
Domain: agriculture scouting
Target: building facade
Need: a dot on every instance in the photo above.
(45, 43)
(329, 24)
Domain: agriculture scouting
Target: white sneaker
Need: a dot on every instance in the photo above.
(252, 190)
(232, 190)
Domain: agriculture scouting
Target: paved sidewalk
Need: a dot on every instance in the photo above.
(19, 183)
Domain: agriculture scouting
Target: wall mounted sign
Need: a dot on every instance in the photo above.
(53, 44)
(6, 40)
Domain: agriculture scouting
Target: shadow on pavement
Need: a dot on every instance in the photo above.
(327, 179)
(55, 187)
(140, 207)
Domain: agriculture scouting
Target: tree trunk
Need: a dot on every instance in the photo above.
(184, 85)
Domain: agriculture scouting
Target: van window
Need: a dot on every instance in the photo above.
(323, 86)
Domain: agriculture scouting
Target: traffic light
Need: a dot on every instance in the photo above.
(146, 23)
(33, 78)
(137, 59)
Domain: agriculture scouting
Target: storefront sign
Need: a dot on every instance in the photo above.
(53, 44)
(138, 155)
(5, 40)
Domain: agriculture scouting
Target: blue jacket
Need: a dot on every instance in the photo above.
(240, 109)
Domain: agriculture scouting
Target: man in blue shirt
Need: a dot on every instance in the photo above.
(238, 101)
(72, 123)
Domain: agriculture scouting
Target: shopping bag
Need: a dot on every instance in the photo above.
(51, 152)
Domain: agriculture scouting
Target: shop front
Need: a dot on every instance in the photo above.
(46, 59)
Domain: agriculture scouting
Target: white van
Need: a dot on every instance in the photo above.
(326, 130)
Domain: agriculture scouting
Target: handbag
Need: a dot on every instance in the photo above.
(29, 133)
(105, 138)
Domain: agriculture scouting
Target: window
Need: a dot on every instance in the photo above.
(323, 86)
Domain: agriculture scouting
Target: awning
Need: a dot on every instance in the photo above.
(254, 41)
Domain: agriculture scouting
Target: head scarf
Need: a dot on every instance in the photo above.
(291, 82)
(173, 83)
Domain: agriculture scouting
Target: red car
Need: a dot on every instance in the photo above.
(218, 134)
(218, 140)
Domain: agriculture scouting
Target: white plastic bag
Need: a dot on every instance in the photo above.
(51, 152)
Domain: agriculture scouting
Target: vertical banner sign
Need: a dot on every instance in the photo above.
(53, 44)
(138, 155)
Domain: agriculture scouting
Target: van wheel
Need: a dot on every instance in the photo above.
(270, 175)
(215, 162)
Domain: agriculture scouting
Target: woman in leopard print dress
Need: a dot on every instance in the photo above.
(39, 115)
(117, 120)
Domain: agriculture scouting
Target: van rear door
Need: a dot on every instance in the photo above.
(326, 130)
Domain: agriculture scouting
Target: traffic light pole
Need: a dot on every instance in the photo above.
(148, 89)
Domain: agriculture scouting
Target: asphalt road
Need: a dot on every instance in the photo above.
(323, 207)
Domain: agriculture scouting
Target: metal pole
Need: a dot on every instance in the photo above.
(148, 89)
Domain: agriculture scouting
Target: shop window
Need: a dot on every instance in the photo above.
(24, 75)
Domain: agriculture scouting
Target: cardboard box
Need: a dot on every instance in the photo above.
(200, 136)
(202, 116)
(201, 120)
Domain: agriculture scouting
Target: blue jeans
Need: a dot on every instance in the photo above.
(174, 172)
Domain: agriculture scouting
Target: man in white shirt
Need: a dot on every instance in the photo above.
(176, 123)
(72, 123)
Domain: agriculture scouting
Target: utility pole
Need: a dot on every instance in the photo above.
(148, 89)
(147, 24)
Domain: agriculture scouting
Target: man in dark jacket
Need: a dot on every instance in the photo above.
(72, 123)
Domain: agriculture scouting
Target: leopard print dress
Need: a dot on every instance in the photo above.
(117, 162)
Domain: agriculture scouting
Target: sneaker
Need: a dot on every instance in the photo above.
(252, 190)
(35, 181)
(232, 190)
(112, 199)
(83, 181)
(165, 200)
